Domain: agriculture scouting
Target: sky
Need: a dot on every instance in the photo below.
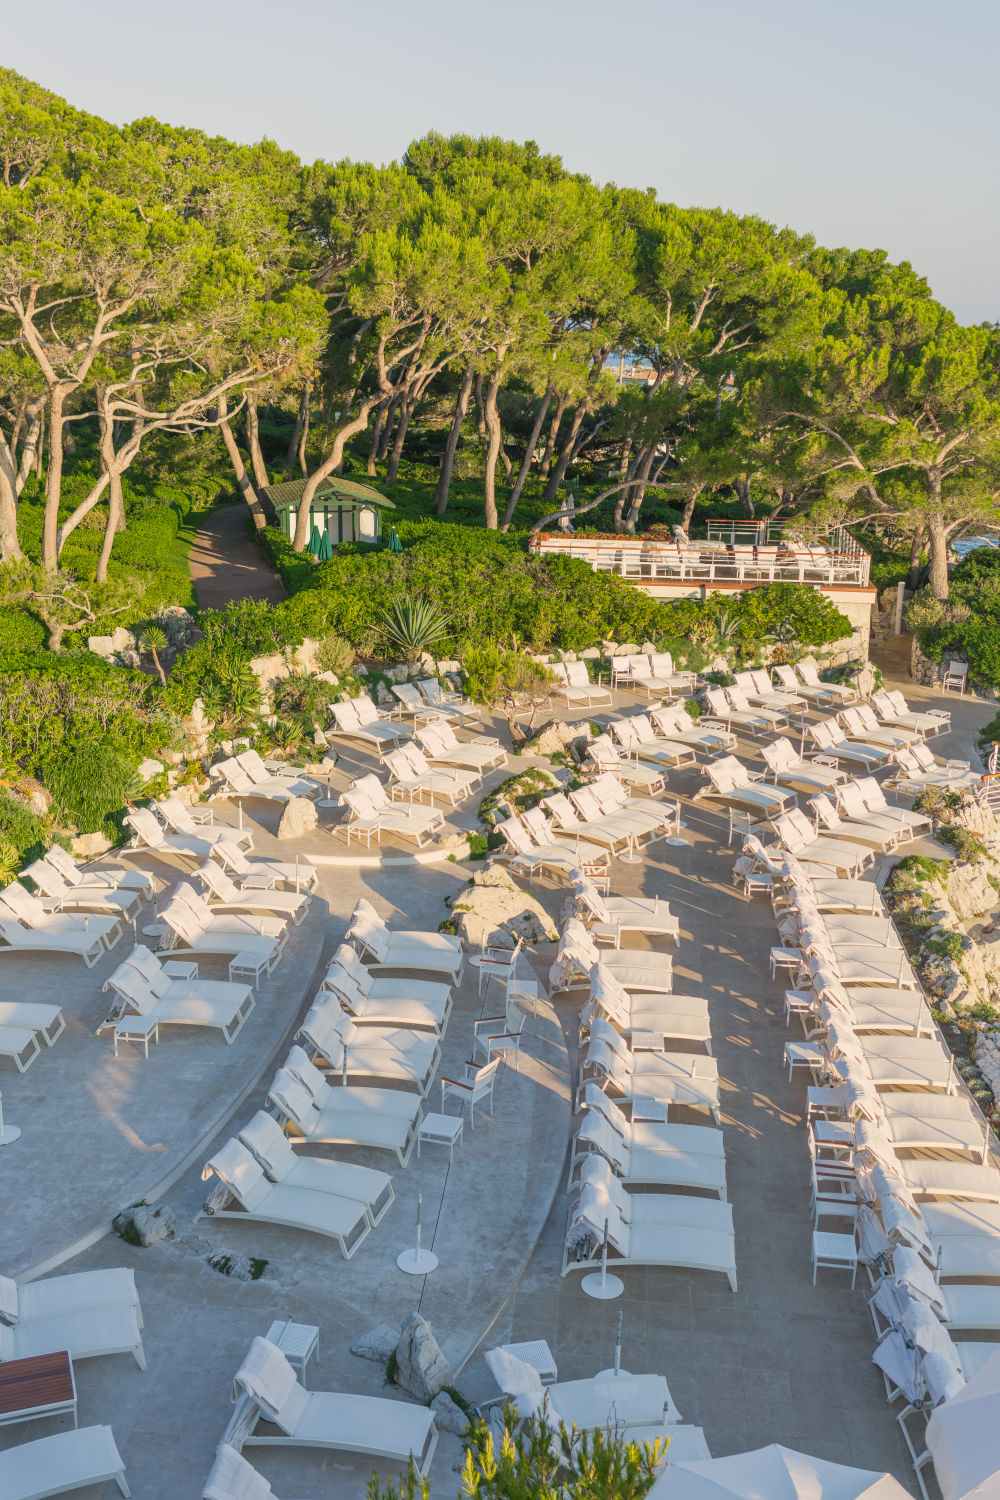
(862, 122)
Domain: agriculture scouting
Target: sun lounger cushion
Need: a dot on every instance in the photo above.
(64, 1461)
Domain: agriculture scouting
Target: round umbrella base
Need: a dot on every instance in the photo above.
(603, 1288)
(417, 1262)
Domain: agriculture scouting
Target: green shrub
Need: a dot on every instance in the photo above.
(21, 631)
(924, 869)
(23, 830)
(951, 946)
(966, 844)
(334, 654)
(88, 785)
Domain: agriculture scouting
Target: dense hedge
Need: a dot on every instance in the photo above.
(969, 623)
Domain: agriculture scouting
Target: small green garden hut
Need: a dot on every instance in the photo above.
(345, 510)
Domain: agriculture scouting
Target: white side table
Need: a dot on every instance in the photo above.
(178, 969)
(649, 1109)
(137, 1029)
(443, 1130)
(298, 1342)
(248, 966)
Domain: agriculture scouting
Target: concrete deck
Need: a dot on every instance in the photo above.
(779, 1361)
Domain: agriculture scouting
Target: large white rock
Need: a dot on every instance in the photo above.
(377, 1344)
(269, 669)
(101, 645)
(495, 909)
(422, 1369)
(299, 818)
(90, 845)
(146, 1223)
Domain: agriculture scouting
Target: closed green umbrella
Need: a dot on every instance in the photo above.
(395, 545)
(325, 549)
(315, 541)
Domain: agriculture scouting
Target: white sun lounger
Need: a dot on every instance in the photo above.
(243, 1182)
(90, 1314)
(633, 969)
(232, 1478)
(31, 1015)
(618, 1402)
(653, 1019)
(415, 704)
(375, 813)
(19, 904)
(603, 756)
(667, 1078)
(731, 782)
(862, 718)
(150, 835)
(439, 697)
(385, 1119)
(387, 1002)
(18, 939)
(299, 1418)
(821, 693)
(64, 1461)
(265, 1139)
(829, 740)
(706, 734)
(692, 1233)
(411, 772)
(79, 1291)
(188, 822)
(934, 1122)
(789, 769)
(840, 692)
(225, 895)
(610, 916)
(639, 740)
(224, 925)
(615, 834)
(148, 989)
(482, 753)
(359, 719)
(260, 784)
(390, 1053)
(113, 879)
(688, 1156)
(576, 686)
(919, 768)
(431, 951)
(263, 874)
(794, 832)
(527, 856)
(893, 709)
(62, 896)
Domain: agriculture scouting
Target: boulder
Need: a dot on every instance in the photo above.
(269, 669)
(101, 645)
(495, 909)
(299, 818)
(197, 727)
(422, 1369)
(149, 768)
(146, 1223)
(130, 658)
(448, 1414)
(398, 673)
(90, 845)
(426, 666)
(592, 653)
(377, 1344)
(122, 639)
(554, 738)
(329, 677)
(305, 655)
(649, 647)
(382, 693)
(970, 893)
(360, 671)
(864, 681)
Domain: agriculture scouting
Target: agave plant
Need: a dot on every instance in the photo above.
(10, 862)
(727, 625)
(413, 625)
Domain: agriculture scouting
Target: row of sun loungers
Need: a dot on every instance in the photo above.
(885, 1094)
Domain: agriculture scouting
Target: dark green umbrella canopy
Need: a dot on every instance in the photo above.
(315, 542)
(395, 545)
(325, 549)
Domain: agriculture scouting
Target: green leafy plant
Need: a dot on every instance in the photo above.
(335, 654)
(510, 683)
(10, 862)
(966, 844)
(414, 625)
(89, 786)
(951, 946)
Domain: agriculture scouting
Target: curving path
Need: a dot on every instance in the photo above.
(226, 564)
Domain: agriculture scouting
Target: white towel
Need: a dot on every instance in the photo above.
(266, 1375)
(913, 1274)
(232, 1478)
(8, 1301)
(516, 1379)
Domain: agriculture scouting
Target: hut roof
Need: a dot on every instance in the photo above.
(290, 492)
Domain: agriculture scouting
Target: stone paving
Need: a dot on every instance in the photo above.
(779, 1361)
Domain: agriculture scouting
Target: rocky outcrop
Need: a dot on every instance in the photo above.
(421, 1368)
(146, 1224)
(377, 1343)
(494, 909)
(299, 818)
(556, 738)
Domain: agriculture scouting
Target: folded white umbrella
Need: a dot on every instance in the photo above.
(773, 1473)
(961, 1436)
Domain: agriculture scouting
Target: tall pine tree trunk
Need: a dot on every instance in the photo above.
(916, 543)
(375, 443)
(491, 417)
(244, 484)
(451, 445)
(558, 473)
(53, 481)
(405, 412)
(301, 418)
(257, 466)
(553, 433)
(529, 454)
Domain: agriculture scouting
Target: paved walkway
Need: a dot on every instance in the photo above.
(226, 564)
